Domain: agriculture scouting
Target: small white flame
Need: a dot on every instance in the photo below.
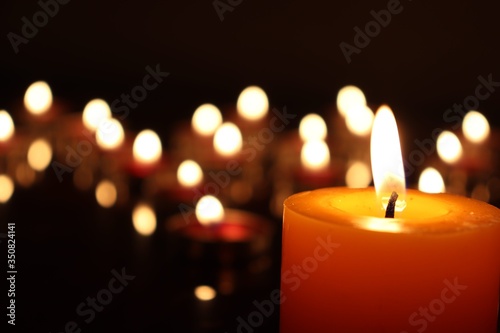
(209, 210)
(147, 147)
(475, 127)
(39, 154)
(449, 147)
(189, 173)
(38, 98)
(359, 120)
(228, 140)
(95, 112)
(252, 103)
(206, 119)
(348, 98)
(312, 127)
(110, 134)
(315, 155)
(431, 181)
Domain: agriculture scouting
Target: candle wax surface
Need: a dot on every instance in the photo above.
(345, 268)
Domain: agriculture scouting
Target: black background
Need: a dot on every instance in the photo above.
(428, 58)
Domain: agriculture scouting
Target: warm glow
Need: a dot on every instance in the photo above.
(252, 103)
(312, 127)
(206, 119)
(315, 155)
(39, 154)
(386, 158)
(358, 175)
(144, 219)
(38, 98)
(481, 192)
(449, 147)
(205, 293)
(6, 126)
(228, 140)
(110, 134)
(431, 181)
(475, 127)
(359, 120)
(105, 193)
(189, 174)
(94, 113)
(6, 188)
(350, 97)
(24, 174)
(209, 210)
(147, 147)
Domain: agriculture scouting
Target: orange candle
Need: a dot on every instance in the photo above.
(435, 267)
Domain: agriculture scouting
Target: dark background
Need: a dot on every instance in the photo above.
(424, 61)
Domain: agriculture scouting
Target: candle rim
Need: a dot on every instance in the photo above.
(450, 220)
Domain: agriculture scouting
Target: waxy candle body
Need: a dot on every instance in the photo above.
(434, 268)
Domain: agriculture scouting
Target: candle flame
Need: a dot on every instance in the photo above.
(205, 293)
(6, 126)
(39, 154)
(106, 193)
(359, 120)
(350, 97)
(312, 127)
(431, 181)
(189, 173)
(386, 158)
(110, 134)
(315, 155)
(96, 111)
(228, 140)
(144, 219)
(358, 175)
(209, 210)
(475, 127)
(252, 103)
(38, 98)
(147, 147)
(206, 119)
(449, 147)
(6, 188)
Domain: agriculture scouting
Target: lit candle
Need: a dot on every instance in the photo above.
(346, 268)
(38, 98)
(147, 153)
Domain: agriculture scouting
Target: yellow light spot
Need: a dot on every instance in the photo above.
(39, 154)
(228, 140)
(38, 98)
(359, 120)
(206, 119)
(110, 134)
(449, 147)
(358, 175)
(205, 293)
(95, 112)
(350, 97)
(209, 210)
(6, 188)
(189, 173)
(105, 193)
(6, 126)
(315, 155)
(475, 127)
(312, 127)
(252, 103)
(144, 219)
(147, 147)
(431, 181)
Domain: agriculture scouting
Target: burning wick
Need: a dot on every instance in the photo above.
(389, 212)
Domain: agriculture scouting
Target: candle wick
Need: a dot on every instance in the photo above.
(389, 212)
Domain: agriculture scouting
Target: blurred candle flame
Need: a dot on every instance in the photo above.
(358, 175)
(39, 154)
(205, 293)
(38, 98)
(475, 127)
(6, 188)
(228, 140)
(348, 98)
(106, 193)
(144, 219)
(431, 181)
(6, 126)
(110, 134)
(209, 210)
(386, 159)
(315, 155)
(189, 173)
(359, 120)
(449, 147)
(206, 119)
(147, 147)
(95, 112)
(312, 127)
(252, 103)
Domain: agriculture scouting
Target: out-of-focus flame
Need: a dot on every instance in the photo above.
(348, 98)
(359, 120)
(431, 181)
(315, 155)
(38, 98)
(147, 147)
(144, 219)
(6, 188)
(358, 175)
(6, 126)
(206, 119)
(312, 127)
(95, 112)
(475, 127)
(189, 173)
(386, 158)
(228, 140)
(252, 103)
(209, 210)
(39, 154)
(105, 193)
(110, 134)
(449, 147)
(205, 293)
